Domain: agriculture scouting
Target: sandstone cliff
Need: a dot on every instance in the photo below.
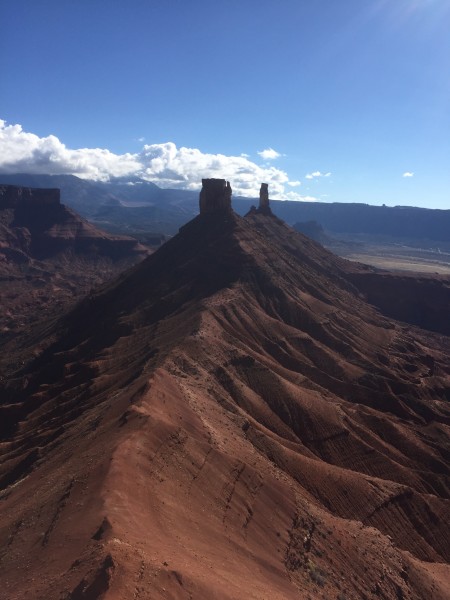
(49, 256)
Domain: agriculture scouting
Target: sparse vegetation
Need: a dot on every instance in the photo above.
(318, 575)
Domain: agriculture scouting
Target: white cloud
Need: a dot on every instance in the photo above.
(294, 183)
(316, 174)
(298, 197)
(269, 154)
(22, 152)
(408, 174)
(164, 164)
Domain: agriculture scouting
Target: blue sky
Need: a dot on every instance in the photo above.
(351, 96)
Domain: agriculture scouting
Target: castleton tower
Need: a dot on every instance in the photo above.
(215, 196)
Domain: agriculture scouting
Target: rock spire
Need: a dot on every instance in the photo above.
(264, 207)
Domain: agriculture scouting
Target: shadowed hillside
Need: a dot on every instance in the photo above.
(229, 419)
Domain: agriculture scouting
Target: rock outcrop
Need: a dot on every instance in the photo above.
(12, 196)
(49, 227)
(49, 256)
(215, 196)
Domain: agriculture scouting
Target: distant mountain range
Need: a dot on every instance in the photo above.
(142, 208)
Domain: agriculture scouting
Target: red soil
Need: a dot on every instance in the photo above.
(228, 420)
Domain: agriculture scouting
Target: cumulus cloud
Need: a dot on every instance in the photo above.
(23, 152)
(408, 174)
(294, 183)
(317, 174)
(164, 164)
(269, 154)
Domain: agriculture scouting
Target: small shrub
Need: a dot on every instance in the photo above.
(318, 576)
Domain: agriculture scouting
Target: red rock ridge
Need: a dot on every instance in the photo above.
(229, 420)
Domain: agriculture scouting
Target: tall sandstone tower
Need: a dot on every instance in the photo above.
(215, 196)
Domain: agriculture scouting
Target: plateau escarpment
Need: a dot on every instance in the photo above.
(49, 255)
(51, 227)
(228, 419)
(20, 197)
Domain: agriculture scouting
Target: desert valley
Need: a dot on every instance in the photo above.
(241, 414)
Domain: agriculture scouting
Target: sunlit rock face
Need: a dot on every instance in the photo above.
(215, 196)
